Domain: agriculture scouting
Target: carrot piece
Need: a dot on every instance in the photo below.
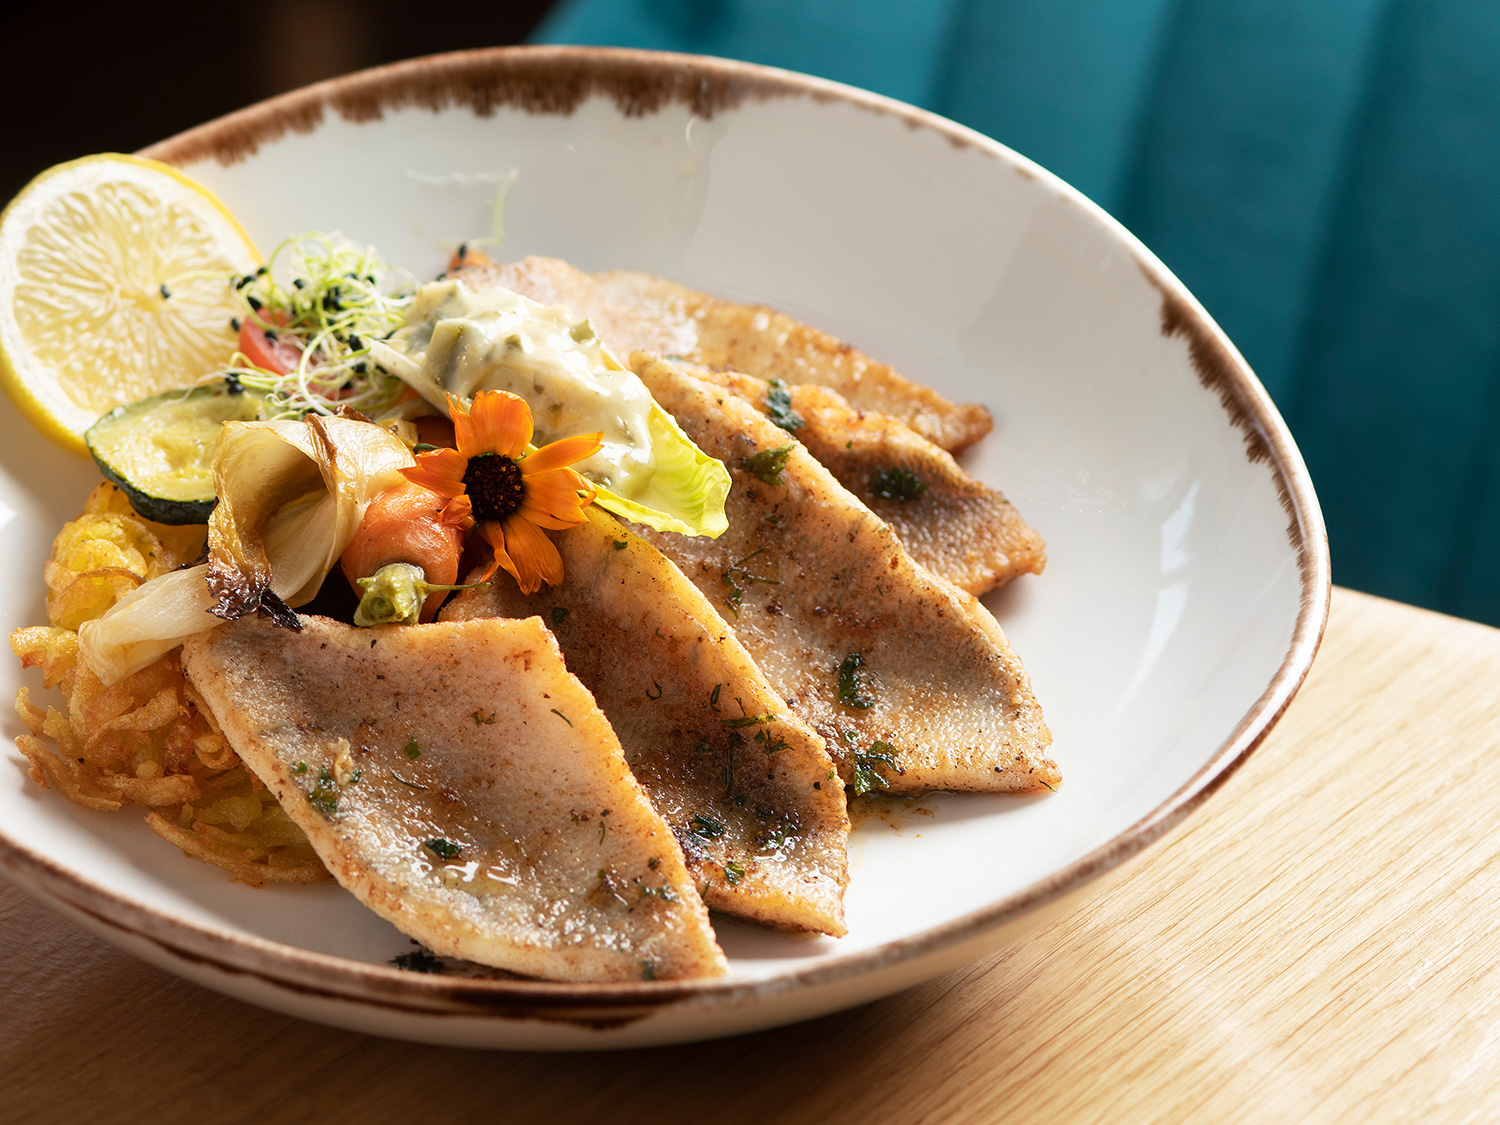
(405, 524)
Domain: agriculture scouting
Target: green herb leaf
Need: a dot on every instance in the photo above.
(409, 784)
(851, 687)
(706, 827)
(560, 614)
(779, 407)
(412, 750)
(561, 716)
(896, 483)
(867, 775)
(443, 849)
(767, 465)
(733, 873)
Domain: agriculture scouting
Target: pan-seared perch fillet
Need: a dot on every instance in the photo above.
(637, 311)
(744, 784)
(879, 656)
(462, 784)
(955, 526)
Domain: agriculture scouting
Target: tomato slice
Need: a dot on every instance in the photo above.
(279, 354)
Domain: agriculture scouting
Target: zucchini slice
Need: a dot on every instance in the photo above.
(160, 450)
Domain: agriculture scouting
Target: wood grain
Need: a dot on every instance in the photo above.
(1317, 945)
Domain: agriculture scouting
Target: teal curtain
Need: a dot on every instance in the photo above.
(1325, 176)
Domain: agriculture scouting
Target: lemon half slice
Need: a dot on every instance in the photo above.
(116, 283)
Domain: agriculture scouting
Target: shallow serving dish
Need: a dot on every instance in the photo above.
(1184, 599)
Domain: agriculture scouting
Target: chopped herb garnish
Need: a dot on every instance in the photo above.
(443, 849)
(483, 720)
(603, 831)
(769, 742)
(733, 873)
(767, 465)
(324, 796)
(737, 574)
(653, 863)
(560, 614)
(412, 750)
(648, 970)
(409, 784)
(561, 716)
(851, 689)
(896, 483)
(620, 544)
(779, 407)
(867, 775)
(300, 767)
(748, 720)
(703, 746)
(713, 696)
(656, 687)
(706, 827)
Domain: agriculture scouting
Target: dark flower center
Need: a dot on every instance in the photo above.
(495, 486)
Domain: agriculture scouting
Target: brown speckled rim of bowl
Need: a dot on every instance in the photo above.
(556, 80)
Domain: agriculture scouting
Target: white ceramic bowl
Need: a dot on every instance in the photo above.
(1185, 595)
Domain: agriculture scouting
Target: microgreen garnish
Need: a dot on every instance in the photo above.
(336, 299)
(733, 873)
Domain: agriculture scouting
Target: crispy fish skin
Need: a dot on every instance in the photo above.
(394, 745)
(957, 527)
(637, 311)
(762, 825)
(864, 644)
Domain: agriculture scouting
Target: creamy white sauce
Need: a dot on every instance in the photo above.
(461, 341)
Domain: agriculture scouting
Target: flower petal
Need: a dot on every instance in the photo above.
(563, 452)
(495, 422)
(459, 513)
(440, 471)
(534, 555)
(555, 495)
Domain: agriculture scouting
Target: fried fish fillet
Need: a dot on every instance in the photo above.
(462, 784)
(637, 311)
(957, 527)
(909, 680)
(746, 785)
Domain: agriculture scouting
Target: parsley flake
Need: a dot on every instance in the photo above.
(768, 465)
(779, 407)
(851, 689)
(443, 849)
(896, 483)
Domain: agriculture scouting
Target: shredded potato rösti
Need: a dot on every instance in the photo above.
(148, 740)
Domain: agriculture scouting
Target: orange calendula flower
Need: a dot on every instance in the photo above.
(514, 494)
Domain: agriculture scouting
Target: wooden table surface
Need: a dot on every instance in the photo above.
(1319, 943)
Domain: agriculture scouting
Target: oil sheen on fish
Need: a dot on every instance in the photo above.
(632, 310)
(744, 783)
(957, 527)
(909, 680)
(462, 784)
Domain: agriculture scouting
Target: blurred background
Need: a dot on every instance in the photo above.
(1325, 177)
